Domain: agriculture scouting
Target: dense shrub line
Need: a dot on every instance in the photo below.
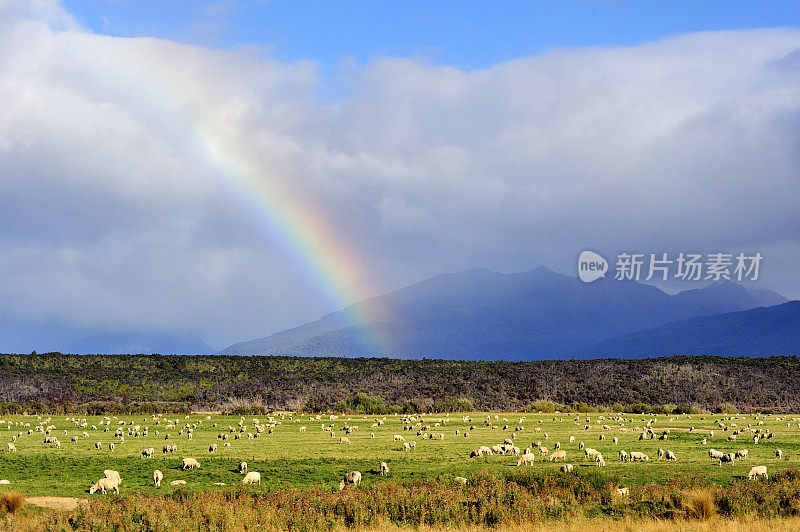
(143, 383)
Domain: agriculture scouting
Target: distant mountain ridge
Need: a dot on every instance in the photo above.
(139, 343)
(23, 336)
(479, 314)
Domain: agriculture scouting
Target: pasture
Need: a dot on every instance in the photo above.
(288, 457)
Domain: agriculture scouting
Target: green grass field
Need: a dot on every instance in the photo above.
(314, 459)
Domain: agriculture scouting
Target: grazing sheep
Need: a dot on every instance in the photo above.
(661, 454)
(758, 471)
(480, 451)
(11, 447)
(178, 483)
(728, 458)
(713, 454)
(384, 469)
(581, 446)
(253, 477)
(406, 446)
(778, 454)
(344, 439)
(636, 456)
(242, 467)
(623, 456)
(598, 460)
(623, 492)
(558, 455)
(98, 445)
(105, 484)
(567, 468)
(158, 476)
(111, 446)
(212, 448)
(741, 454)
(399, 437)
(460, 480)
(670, 456)
(190, 463)
(526, 459)
(353, 477)
(588, 452)
(5, 482)
(148, 453)
(615, 440)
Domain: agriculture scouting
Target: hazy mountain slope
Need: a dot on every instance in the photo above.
(479, 314)
(761, 331)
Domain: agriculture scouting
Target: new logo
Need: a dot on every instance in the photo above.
(591, 266)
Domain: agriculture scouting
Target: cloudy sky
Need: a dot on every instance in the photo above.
(230, 169)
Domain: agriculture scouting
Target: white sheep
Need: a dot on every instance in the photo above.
(242, 467)
(11, 447)
(353, 477)
(105, 484)
(670, 456)
(384, 469)
(526, 459)
(158, 476)
(190, 463)
(636, 456)
(567, 468)
(778, 454)
(588, 452)
(758, 471)
(253, 477)
(178, 483)
(558, 455)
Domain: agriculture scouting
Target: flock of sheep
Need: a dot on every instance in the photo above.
(424, 427)
(528, 456)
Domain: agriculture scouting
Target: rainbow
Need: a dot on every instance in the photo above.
(307, 238)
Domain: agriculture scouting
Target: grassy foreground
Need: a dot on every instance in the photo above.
(522, 500)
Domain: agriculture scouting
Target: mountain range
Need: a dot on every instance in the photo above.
(540, 314)
(23, 336)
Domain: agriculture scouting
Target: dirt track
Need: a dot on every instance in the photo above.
(58, 503)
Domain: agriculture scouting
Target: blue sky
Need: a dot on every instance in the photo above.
(466, 34)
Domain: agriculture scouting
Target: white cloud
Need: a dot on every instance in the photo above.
(115, 211)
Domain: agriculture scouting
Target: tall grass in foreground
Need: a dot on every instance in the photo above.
(519, 500)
